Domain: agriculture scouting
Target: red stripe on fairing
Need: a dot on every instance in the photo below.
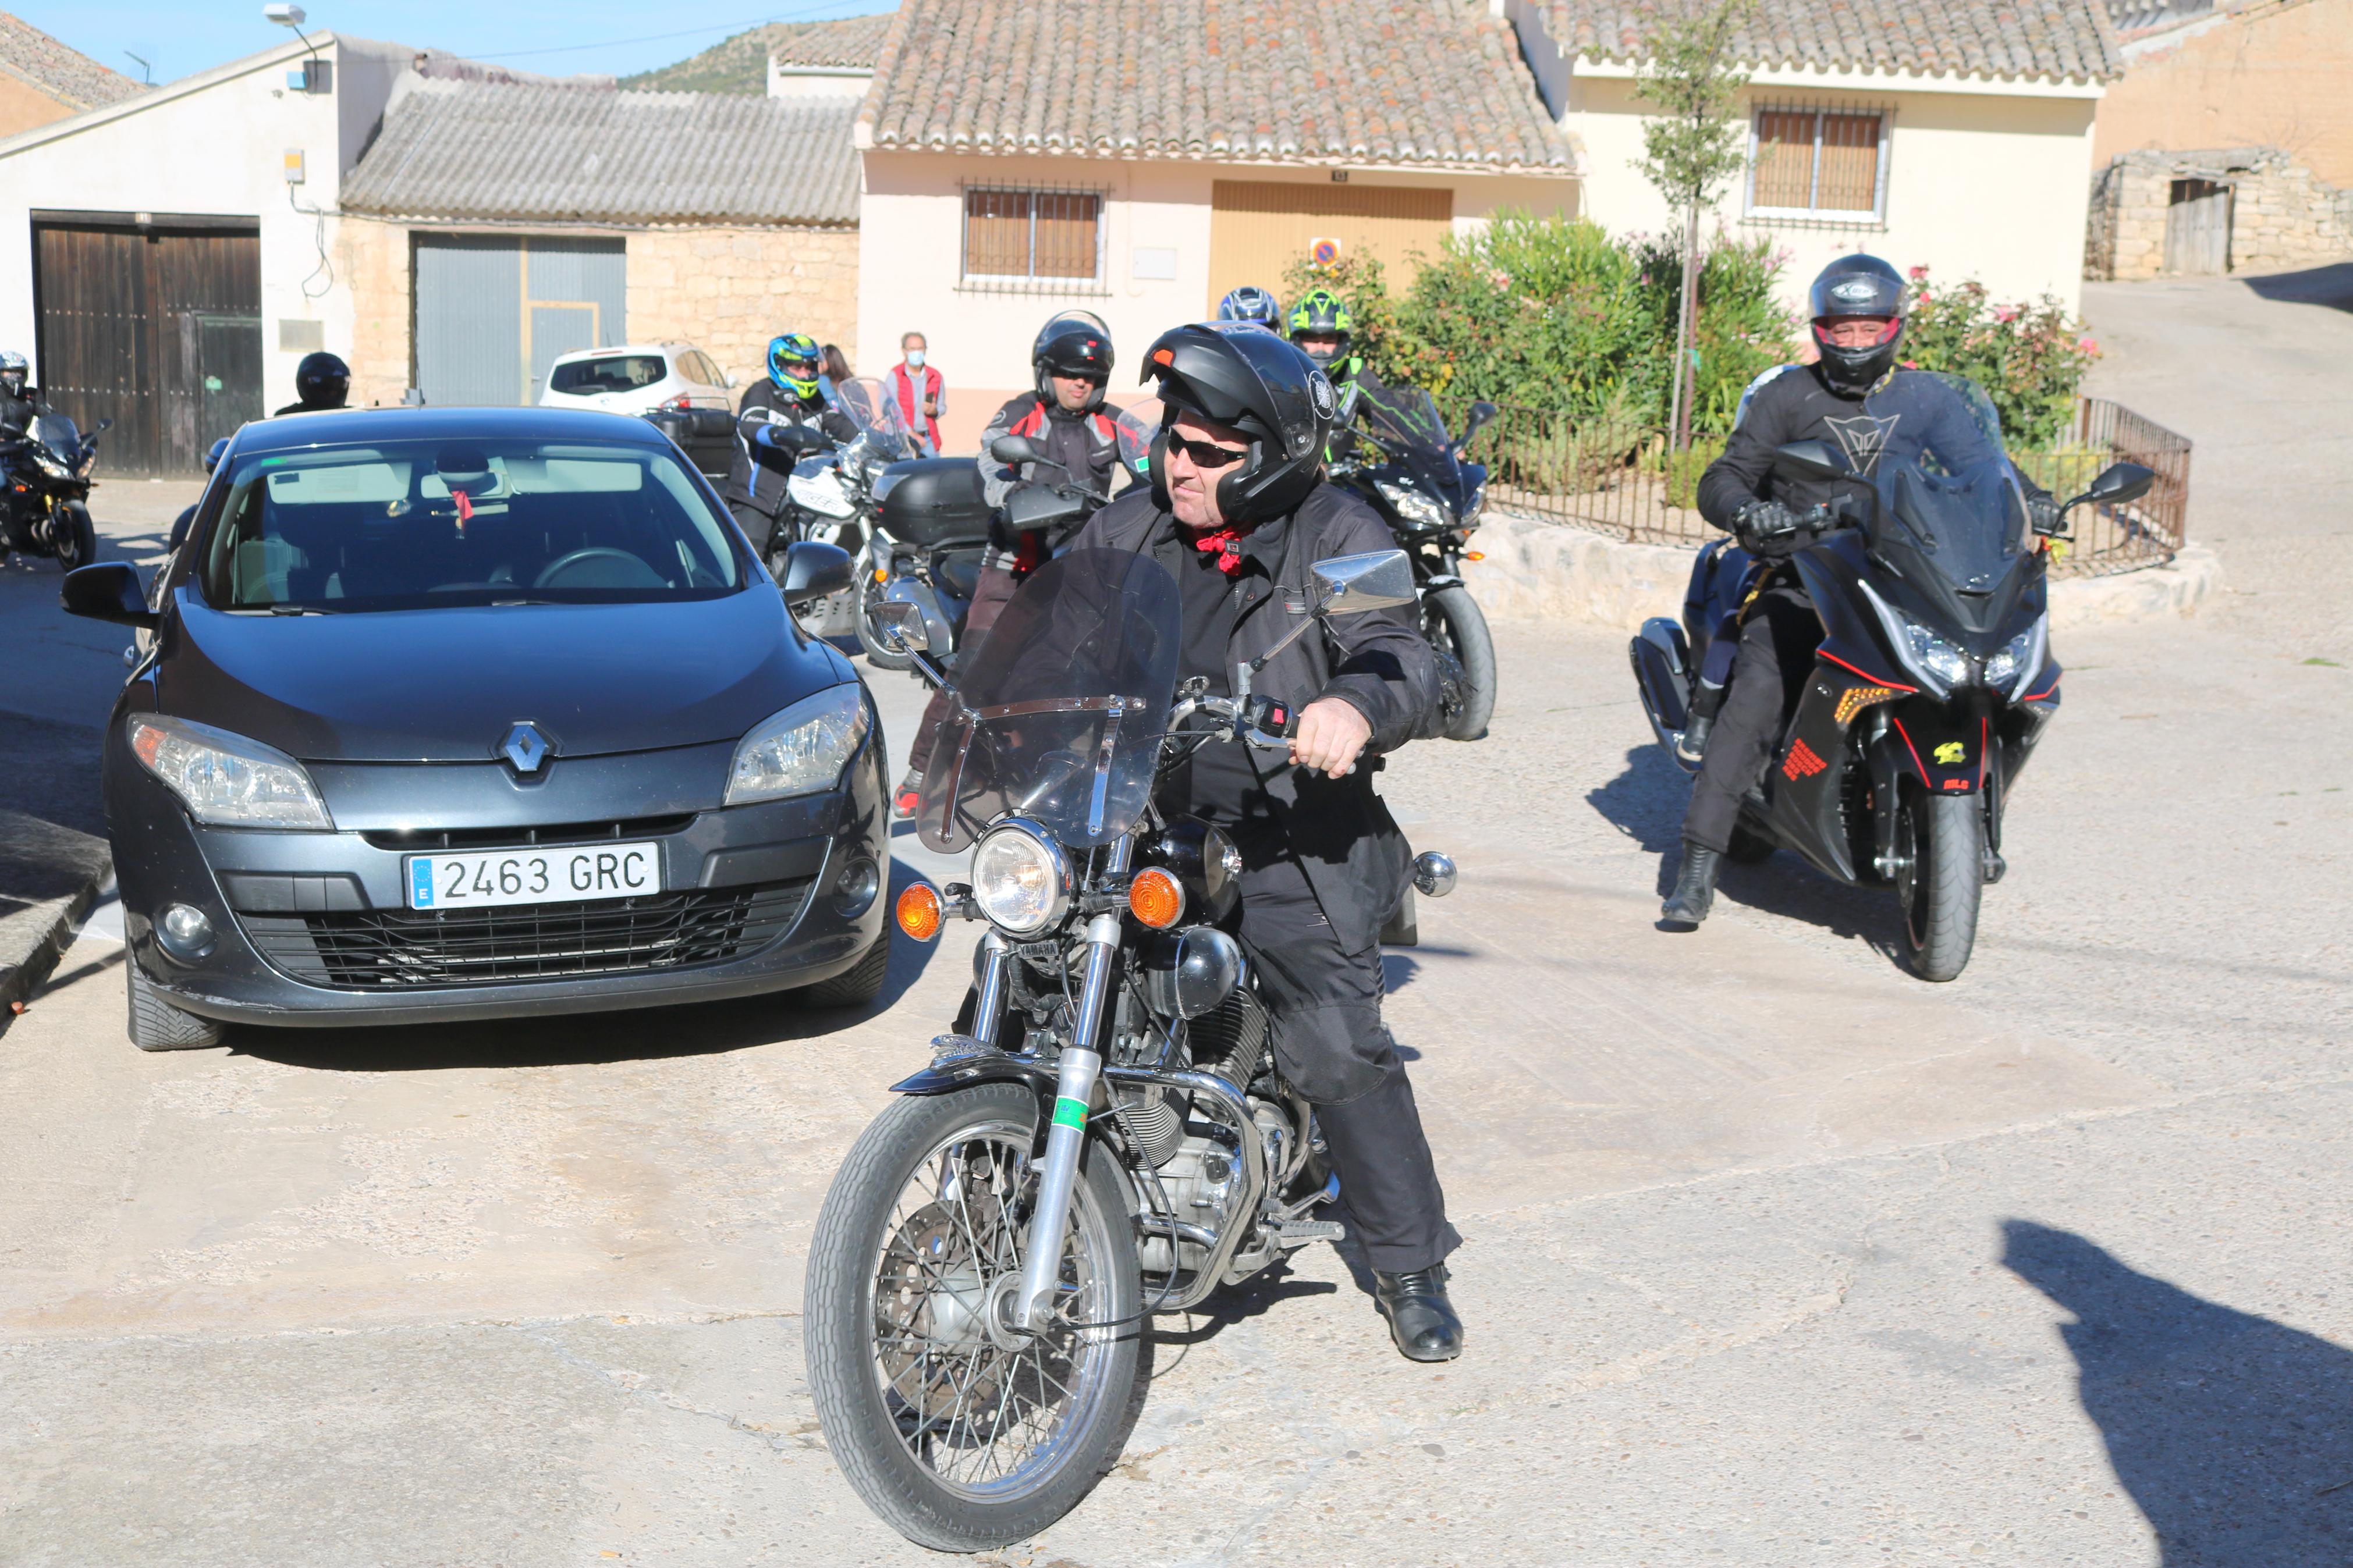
(2038, 696)
(1908, 744)
(1984, 740)
(1874, 680)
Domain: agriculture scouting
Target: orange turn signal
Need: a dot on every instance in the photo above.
(1155, 898)
(919, 911)
(1474, 555)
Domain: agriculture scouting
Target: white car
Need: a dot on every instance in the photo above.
(638, 379)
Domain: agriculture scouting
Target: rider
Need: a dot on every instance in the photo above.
(1854, 400)
(789, 396)
(1325, 329)
(321, 381)
(1237, 511)
(1064, 419)
(21, 402)
(1250, 303)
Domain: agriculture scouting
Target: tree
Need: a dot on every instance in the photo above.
(1693, 149)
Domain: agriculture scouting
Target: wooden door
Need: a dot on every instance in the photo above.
(1259, 228)
(2197, 227)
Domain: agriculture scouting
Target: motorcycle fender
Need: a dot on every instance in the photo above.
(1945, 750)
(912, 591)
(1808, 779)
(1442, 582)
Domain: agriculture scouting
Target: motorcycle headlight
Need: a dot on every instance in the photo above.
(225, 779)
(1933, 655)
(801, 750)
(51, 467)
(1417, 508)
(1021, 880)
(2020, 656)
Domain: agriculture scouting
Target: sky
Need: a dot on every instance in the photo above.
(558, 37)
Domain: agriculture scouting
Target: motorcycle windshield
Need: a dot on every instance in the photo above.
(1064, 706)
(1406, 423)
(1951, 519)
(882, 423)
(57, 433)
(1138, 427)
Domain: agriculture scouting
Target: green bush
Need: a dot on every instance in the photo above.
(2030, 358)
(1742, 328)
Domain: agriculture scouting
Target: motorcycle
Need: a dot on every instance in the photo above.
(1931, 686)
(831, 495)
(45, 487)
(1430, 499)
(1103, 1135)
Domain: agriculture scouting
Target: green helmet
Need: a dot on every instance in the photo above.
(1323, 313)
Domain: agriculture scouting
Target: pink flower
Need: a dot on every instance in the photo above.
(1924, 296)
(2007, 313)
(1911, 364)
(1919, 273)
(2087, 345)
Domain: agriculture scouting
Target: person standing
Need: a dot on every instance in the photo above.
(922, 391)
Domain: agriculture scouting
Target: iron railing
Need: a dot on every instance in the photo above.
(1621, 479)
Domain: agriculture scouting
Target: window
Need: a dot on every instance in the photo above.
(1032, 234)
(1818, 162)
(608, 372)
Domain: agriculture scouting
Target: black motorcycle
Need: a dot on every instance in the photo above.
(832, 488)
(1414, 476)
(1103, 1135)
(45, 491)
(1933, 681)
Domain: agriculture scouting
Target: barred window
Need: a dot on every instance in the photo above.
(1032, 234)
(1817, 163)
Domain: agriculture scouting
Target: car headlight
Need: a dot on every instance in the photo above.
(2021, 655)
(1935, 656)
(1420, 509)
(1020, 880)
(801, 750)
(225, 779)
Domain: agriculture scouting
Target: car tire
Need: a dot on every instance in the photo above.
(157, 1025)
(859, 984)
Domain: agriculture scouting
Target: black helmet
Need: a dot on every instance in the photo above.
(13, 373)
(1238, 375)
(1072, 344)
(322, 381)
(1857, 286)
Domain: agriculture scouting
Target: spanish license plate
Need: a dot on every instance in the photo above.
(498, 876)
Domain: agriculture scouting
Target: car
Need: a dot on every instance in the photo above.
(638, 379)
(480, 714)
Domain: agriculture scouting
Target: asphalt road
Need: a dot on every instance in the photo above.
(1774, 1255)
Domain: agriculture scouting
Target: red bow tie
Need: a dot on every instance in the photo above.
(1224, 541)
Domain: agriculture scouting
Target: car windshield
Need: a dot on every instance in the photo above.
(608, 372)
(401, 525)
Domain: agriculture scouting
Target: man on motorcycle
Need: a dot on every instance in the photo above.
(1856, 402)
(790, 396)
(321, 381)
(1237, 511)
(1063, 418)
(21, 402)
(1250, 303)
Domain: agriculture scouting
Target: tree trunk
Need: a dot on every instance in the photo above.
(1686, 309)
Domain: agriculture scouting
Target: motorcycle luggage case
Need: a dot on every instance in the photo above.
(707, 437)
(933, 500)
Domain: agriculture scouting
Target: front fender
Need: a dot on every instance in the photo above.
(959, 1061)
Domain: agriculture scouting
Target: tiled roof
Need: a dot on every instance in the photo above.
(492, 151)
(73, 80)
(2065, 38)
(852, 41)
(1413, 82)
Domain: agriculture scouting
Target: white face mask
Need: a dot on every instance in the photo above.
(915, 359)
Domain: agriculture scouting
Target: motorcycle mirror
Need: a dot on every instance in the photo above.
(104, 426)
(1013, 449)
(1810, 460)
(901, 625)
(212, 457)
(109, 590)
(2118, 483)
(1352, 585)
(813, 570)
(1433, 874)
(1482, 413)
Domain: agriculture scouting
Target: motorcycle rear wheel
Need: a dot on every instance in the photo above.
(1451, 620)
(956, 1442)
(1940, 880)
(72, 536)
(879, 654)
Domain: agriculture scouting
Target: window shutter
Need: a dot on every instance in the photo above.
(1785, 158)
(997, 233)
(1850, 180)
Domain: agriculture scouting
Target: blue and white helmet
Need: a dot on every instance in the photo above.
(1250, 303)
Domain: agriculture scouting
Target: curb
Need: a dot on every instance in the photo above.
(42, 935)
(1537, 571)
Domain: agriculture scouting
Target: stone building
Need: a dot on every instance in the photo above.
(2249, 209)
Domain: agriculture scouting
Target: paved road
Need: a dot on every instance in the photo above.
(1774, 1255)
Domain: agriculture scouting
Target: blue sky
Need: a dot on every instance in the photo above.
(557, 37)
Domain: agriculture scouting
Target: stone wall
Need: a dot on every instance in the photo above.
(371, 261)
(2282, 215)
(729, 291)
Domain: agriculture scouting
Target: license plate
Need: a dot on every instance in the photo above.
(498, 876)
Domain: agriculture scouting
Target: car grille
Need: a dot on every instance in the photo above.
(384, 950)
(554, 833)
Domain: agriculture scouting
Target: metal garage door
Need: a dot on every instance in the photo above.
(1259, 228)
(493, 312)
(157, 326)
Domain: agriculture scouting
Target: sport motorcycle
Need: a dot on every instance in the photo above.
(45, 488)
(1103, 1135)
(1933, 681)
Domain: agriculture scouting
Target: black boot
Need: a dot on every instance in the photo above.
(1421, 1319)
(1695, 887)
(1692, 745)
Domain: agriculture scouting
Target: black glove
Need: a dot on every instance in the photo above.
(2042, 515)
(1767, 527)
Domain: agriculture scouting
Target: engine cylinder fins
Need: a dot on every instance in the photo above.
(1230, 1039)
(1154, 1118)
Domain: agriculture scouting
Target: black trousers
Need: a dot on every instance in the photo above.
(757, 525)
(1778, 633)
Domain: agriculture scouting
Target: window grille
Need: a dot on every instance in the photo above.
(1818, 162)
(1029, 239)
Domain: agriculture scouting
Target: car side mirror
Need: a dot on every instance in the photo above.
(1351, 585)
(212, 457)
(2117, 483)
(813, 570)
(110, 591)
(1810, 460)
(901, 625)
(1013, 449)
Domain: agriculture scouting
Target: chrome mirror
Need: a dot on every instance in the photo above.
(902, 624)
(1376, 580)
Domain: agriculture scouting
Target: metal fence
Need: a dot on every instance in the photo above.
(1621, 479)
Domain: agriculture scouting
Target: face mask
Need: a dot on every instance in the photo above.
(915, 359)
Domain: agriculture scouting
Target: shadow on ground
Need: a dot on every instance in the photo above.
(2331, 285)
(2228, 1430)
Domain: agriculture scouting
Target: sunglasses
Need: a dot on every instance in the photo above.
(1205, 454)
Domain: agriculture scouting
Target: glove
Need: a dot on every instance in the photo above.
(1767, 527)
(2042, 515)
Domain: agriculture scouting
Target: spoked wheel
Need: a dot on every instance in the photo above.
(74, 538)
(1940, 880)
(960, 1435)
(1457, 632)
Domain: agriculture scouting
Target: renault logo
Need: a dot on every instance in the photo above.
(525, 747)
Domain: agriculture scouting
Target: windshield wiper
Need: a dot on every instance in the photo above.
(300, 610)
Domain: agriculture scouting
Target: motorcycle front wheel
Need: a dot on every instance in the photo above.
(1451, 620)
(72, 536)
(879, 654)
(959, 1438)
(1940, 880)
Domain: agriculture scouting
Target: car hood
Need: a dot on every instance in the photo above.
(445, 685)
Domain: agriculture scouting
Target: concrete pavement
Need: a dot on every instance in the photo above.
(1775, 1254)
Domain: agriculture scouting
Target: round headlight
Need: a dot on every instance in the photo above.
(1020, 880)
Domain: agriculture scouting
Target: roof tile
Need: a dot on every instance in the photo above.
(2071, 40)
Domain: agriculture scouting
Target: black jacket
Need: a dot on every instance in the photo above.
(17, 413)
(1351, 849)
(765, 404)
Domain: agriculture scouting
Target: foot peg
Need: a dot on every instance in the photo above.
(1290, 1234)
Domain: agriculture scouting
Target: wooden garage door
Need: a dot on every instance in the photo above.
(1258, 228)
(155, 327)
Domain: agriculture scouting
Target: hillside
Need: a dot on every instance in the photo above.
(741, 63)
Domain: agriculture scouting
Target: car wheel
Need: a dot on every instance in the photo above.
(858, 986)
(156, 1024)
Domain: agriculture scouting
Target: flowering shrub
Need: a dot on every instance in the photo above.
(1742, 327)
(2030, 358)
